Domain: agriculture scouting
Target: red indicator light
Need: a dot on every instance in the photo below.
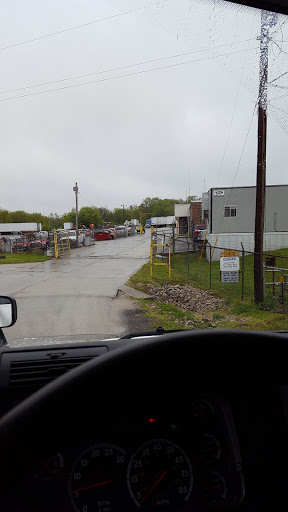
(152, 420)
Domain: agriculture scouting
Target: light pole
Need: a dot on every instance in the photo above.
(123, 211)
(77, 228)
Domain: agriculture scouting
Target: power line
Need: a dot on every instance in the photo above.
(233, 113)
(281, 50)
(85, 198)
(278, 77)
(279, 97)
(274, 106)
(76, 27)
(240, 159)
(280, 86)
(123, 76)
(122, 67)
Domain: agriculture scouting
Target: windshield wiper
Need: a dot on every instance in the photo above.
(160, 330)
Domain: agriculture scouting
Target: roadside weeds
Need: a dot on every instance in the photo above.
(184, 303)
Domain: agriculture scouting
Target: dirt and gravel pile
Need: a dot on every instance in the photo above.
(185, 297)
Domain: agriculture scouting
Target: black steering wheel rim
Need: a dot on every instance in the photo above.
(157, 368)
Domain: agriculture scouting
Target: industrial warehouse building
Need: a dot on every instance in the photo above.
(230, 217)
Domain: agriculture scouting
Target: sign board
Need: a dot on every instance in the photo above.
(218, 193)
(229, 252)
(230, 263)
(230, 276)
(229, 266)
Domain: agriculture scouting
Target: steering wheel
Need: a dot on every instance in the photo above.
(146, 377)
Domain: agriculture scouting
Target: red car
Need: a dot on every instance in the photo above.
(199, 232)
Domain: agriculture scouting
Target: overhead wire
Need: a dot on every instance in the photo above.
(277, 78)
(169, 66)
(42, 84)
(240, 159)
(280, 49)
(76, 27)
(233, 113)
(85, 198)
(278, 108)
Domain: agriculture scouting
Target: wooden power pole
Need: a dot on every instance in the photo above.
(268, 19)
(77, 227)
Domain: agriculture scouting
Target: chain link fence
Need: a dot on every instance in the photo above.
(200, 261)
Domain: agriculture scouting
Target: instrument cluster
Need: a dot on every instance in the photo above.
(190, 463)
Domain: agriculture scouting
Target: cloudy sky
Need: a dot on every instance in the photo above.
(126, 129)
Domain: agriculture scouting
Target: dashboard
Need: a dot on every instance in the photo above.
(158, 464)
(151, 433)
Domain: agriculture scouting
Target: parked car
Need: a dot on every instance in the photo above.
(199, 232)
(121, 231)
(72, 235)
(20, 244)
(111, 230)
(40, 241)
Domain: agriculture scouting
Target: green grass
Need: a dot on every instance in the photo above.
(236, 313)
(22, 257)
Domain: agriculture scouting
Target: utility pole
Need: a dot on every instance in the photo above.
(123, 211)
(77, 227)
(268, 19)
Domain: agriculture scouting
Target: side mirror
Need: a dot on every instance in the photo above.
(8, 311)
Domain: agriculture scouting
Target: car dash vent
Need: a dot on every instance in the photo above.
(32, 369)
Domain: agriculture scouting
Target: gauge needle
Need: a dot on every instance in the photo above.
(153, 486)
(99, 484)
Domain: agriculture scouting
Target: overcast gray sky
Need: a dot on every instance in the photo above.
(151, 134)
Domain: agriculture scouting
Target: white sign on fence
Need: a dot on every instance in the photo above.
(229, 263)
(230, 276)
(229, 266)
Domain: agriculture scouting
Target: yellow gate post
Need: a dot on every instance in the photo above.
(201, 253)
(55, 243)
(151, 255)
(211, 259)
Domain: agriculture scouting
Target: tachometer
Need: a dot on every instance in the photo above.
(160, 475)
(98, 478)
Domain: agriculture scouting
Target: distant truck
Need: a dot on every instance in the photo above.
(163, 221)
(148, 223)
(68, 225)
(134, 222)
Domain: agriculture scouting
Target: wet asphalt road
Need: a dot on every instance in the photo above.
(76, 295)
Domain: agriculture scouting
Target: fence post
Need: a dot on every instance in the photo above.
(188, 259)
(173, 251)
(210, 264)
(243, 253)
(282, 289)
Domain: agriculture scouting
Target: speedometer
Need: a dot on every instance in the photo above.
(98, 478)
(160, 475)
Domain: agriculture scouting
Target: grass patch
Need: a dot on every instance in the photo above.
(270, 315)
(23, 257)
(170, 317)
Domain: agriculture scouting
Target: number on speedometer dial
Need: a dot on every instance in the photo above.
(97, 479)
(160, 475)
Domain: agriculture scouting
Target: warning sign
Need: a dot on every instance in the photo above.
(229, 267)
(229, 263)
(230, 277)
(229, 252)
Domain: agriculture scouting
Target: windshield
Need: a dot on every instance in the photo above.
(169, 116)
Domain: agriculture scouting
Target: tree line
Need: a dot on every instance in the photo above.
(100, 217)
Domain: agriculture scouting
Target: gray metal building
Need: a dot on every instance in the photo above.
(232, 210)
